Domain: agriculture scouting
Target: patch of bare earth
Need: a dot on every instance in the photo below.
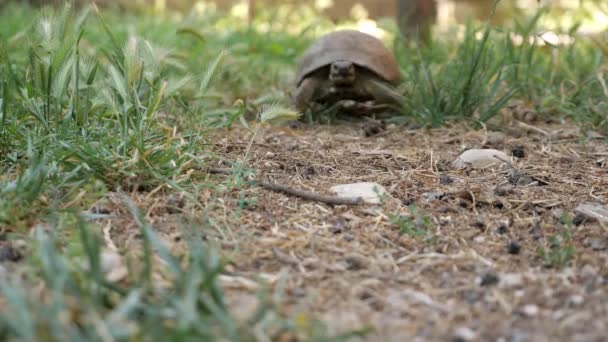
(472, 273)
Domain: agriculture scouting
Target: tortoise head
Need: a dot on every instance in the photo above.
(342, 73)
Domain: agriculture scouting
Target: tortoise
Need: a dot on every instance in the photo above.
(346, 67)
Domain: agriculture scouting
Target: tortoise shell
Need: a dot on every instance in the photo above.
(357, 47)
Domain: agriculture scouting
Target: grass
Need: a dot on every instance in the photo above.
(95, 102)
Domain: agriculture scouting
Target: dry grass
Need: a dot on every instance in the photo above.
(476, 264)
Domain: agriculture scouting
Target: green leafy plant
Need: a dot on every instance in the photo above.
(560, 250)
(417, 224)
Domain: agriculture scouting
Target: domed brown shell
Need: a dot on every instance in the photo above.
(360, 48)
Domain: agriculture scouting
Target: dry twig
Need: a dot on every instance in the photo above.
(308, 195)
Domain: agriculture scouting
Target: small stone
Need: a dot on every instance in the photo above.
(463, 334)
(513, 247)
(445, 180)
(407, 201)
(557, 213)
(519, 336)
(373, 127)
(518, 151)
(433, 195)
(504, 190)
(596, 244)
(495, 138)
(355, 262)
(175, 202)
(489, 278)
(519, 178)
(502, 228)
(370, 192)
(9, 253)
(479, 224)
(479, 239)
(530, 310)
(576, 300)
(480, 158)
(112, 266)
(593, 210)
(471, 296)
(579, 219)
(508, 280)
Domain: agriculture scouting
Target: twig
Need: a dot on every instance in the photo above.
(308, 195)
(312, 196)
(505, 161)
(534, 128)
(219, 171)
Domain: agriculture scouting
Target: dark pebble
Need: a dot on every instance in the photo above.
(489, 278)
(502, 228)
(513, 247)
(518, 151)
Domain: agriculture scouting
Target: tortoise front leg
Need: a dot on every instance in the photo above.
(306, 93)
(384, 93)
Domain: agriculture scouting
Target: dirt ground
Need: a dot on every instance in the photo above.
(472, 273)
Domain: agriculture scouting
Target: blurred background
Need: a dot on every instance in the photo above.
(588, 15)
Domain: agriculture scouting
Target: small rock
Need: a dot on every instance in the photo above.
(578, 219)
(513, 247)
(576, 300)
(112, 266)
(9, 253)
(373, 127)
(285, 257)
(433, 195)
(479, 239)
(529, 310)
(489, 278)
(349, 237)
(508, 280)
(504, 190)
(595, 135)
(480, 158)
(522, 179)
(308, 172)
(175, 202)
(373, 211)
(407, 201)
(445, 180)
(355, 262)
(495, 138)
(502, 228)
(472, 297)
(593, 210)
(370, 192)
(596, 244)
(101, 207)
(463, 334)
(479, 224)
(566, 133)
(519, 336)
(518, 151)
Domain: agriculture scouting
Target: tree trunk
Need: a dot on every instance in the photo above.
(416, 18)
